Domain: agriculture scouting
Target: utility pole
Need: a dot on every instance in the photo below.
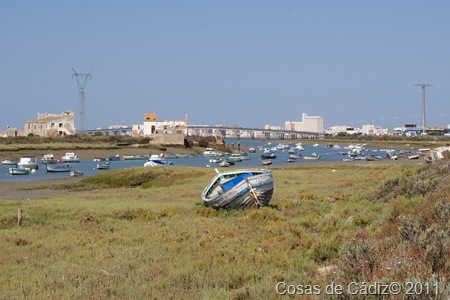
(81, 110)
(424, 121)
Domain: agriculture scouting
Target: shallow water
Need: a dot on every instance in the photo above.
(88, 166)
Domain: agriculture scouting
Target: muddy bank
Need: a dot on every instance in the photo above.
(15, 190)
(90, 154)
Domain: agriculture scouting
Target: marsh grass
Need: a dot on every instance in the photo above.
(56, 146)
(145, 234)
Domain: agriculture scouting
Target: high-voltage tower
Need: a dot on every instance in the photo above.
(81, 121)
(424, 121)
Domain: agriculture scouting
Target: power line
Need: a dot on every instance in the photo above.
(81, 110)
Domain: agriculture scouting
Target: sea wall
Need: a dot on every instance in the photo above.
(167, 139)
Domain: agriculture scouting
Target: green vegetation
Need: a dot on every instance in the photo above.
(145, 234)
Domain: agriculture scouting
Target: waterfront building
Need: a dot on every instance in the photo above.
(308, 123)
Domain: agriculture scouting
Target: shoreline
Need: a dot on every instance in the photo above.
(17, 190)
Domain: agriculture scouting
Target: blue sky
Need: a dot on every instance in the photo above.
(245, 63)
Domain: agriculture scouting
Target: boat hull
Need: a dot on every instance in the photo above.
(18, 171)
(69, 160)
(57, 169)
(75, 173)
(255, 190)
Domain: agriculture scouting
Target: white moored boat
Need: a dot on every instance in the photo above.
(28, 162)
(209, 152)
(8, 162)
(70, 157)
(18, 171)
(48, 159)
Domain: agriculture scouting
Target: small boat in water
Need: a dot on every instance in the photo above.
(8, 162)
(311, 157)
(70, 157)
(268, 156)
(209, 152)
(239, 189)
(157, 163)
(56, 168)
(102, 166)
(28, 162)
(48, 159)
(75, 173)
(18, 171)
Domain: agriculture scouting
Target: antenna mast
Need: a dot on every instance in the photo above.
(424, 121)
(81, 110)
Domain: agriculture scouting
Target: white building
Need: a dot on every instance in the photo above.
(308, 123)
(369, 129)
(153, 127)
(271, 127)
(334, 130)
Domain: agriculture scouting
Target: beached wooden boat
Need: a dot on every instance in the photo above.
(18, 171)
(266, 162)
(239, 189)
(371, 157)
(224, 164)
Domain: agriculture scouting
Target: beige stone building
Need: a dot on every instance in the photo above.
(51, 125)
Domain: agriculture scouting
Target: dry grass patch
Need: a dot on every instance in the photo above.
(148, 235)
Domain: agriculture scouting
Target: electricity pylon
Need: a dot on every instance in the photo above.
(81, 123)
